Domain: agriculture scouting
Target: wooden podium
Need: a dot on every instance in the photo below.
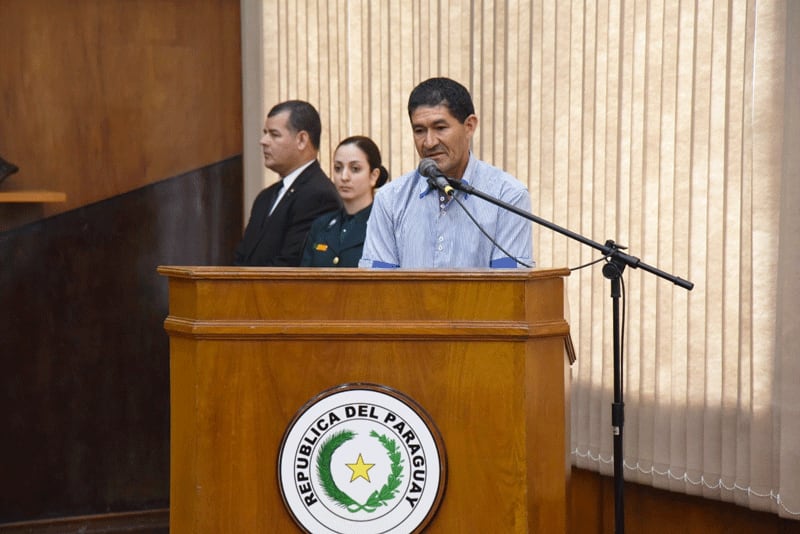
(483, 352)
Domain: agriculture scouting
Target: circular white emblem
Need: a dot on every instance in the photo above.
(362, 458)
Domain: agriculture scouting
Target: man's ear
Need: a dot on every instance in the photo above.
(303, 140)
(471, 124)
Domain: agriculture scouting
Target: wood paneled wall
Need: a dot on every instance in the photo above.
(654, 511)
(100, 98)
(84, 358)
(134, 110)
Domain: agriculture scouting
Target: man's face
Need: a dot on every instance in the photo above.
(438, 135)
(281, 146)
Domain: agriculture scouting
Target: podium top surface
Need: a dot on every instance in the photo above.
(260, 300)
(317, 273)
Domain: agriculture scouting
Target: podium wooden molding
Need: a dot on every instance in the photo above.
(482, 351)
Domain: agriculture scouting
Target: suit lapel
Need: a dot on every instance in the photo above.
(302, 179)
(272, 194)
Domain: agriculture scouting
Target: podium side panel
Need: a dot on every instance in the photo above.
(548, 460)
(183, 433)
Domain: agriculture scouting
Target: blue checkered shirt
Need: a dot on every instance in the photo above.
(413, 226)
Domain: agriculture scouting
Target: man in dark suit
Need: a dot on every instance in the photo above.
(283, 212)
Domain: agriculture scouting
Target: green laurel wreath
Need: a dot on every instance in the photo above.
(378, 498)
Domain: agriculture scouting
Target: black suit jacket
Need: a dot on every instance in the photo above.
(277, 239)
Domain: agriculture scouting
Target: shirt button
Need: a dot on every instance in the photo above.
(441, 247)
(441, 238)
(336, 260)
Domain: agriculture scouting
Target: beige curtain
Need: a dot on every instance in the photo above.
(669, 126)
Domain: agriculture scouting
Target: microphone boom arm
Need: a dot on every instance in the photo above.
(610, 249)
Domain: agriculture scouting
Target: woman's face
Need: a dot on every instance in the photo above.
(352, 175)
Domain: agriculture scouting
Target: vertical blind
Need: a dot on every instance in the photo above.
(665, 125)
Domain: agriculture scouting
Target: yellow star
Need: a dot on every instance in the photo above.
(360, 469)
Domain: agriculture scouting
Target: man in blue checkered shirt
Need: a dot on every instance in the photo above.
(415, 226)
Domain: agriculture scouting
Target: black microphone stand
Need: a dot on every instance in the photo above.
(616, 261)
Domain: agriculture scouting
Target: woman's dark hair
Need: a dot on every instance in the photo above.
(442, 92)
(369, 148)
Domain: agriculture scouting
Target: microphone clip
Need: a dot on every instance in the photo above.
(441, 184)
(436, 178)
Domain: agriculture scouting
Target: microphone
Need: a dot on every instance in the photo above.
(436, 178)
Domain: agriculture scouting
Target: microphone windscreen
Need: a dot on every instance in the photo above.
(428, 168)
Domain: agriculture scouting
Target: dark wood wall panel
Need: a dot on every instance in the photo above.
(84, 359)
(101, 97)
(654, 511)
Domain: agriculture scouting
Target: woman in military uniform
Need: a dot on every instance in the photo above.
(337, 238)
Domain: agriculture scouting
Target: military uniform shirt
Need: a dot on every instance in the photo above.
(336, 239)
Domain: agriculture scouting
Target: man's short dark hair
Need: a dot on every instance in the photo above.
(302, 117)
(442, 92)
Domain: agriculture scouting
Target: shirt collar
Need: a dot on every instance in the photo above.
(361, 215)
(426, 188)
(289, 179)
